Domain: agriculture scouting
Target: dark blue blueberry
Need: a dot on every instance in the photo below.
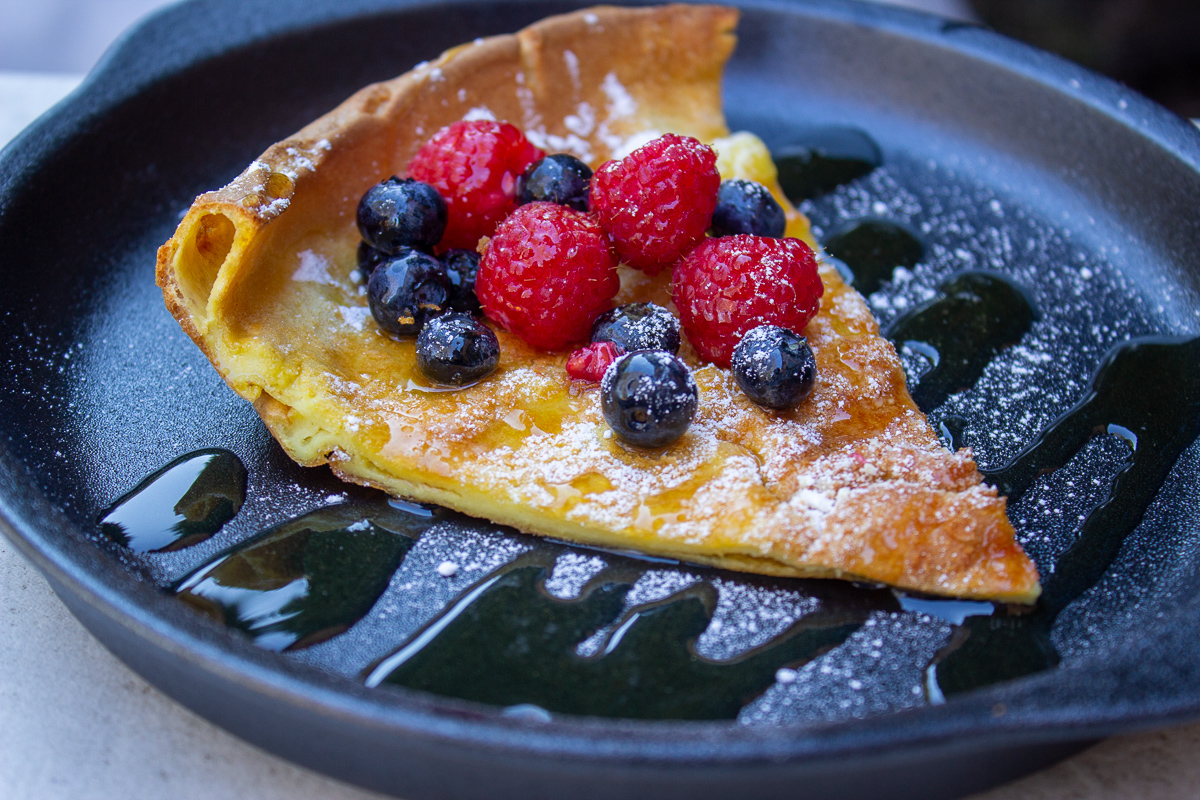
(638, 326)
(368, 259)
(648, 398)
(408, 290)
(559, 178)
(747, 207)
(461, 268)
(774, 366)
(457, 349)
(401, 213)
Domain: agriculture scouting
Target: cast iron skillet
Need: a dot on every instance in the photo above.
(99, 386)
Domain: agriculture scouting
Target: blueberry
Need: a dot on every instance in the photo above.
(560, 178)
(457, 349)
(368, 259)
(638, 326)
(408, 290)
(648, 398)
(774, 367)
(461, 268)
(401, 213)
(747, 207)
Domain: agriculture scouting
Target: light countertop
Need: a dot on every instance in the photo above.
(77, 724)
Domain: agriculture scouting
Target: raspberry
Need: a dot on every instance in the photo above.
(474, 165)
(589, 363)
(658, 201)
(728, 286)
(547, 274)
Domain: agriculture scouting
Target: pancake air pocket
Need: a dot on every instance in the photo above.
(202, 258)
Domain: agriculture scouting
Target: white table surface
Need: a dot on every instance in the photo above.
(77, 724)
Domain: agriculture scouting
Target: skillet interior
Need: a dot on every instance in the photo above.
(100, 387)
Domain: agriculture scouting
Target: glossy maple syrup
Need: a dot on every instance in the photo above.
(872, 249)
(820, 160)
(1147, 391)
(182, 504)
(307, 579)
(508, 642)
(977, 315)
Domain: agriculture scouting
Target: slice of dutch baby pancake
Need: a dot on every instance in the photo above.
(850, 483)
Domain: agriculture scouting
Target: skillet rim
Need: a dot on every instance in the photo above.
(148, 54)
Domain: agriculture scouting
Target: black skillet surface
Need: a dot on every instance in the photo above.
(999, 156)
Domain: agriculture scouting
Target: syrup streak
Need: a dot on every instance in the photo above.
(180, 505)
(307, 579)
(1148, 392)
(978, 315)
(508, 642)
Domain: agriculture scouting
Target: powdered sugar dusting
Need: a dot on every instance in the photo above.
(572, 62)
(355, 316)
(748, 616)
(879, 669)
(313, 267)
(480, 112)
(571, 571)
(620, 101)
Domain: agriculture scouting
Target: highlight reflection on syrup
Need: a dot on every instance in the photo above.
(308, 579)
(872, 249)
(184, 503)
(820, 160)
(508, 642)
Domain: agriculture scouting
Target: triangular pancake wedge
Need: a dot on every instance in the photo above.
(851, 484)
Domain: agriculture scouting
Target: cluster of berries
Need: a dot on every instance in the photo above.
(549, 269)
(420, 233)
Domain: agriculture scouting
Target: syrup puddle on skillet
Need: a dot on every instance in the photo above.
(1017, 342)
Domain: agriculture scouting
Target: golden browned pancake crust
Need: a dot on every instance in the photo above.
(852, 484)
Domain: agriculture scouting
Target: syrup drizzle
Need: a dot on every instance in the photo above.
(1148, 392)
(872, 249)
(184, 503)
(509, 642)
(506, 641)
(977, 316)
(307, 579)
(823, 159)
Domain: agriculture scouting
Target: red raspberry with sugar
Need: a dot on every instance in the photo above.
(547, 274)
(589, 363)
(657, 202)
(474, 165)
(730, 285)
